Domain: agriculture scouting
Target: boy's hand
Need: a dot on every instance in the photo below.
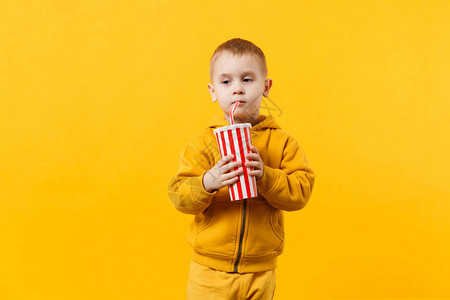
(256, 162)
(220, 175)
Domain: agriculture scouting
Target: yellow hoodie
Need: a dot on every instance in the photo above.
(245, 235)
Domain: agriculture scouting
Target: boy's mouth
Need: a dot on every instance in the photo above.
(241, 102)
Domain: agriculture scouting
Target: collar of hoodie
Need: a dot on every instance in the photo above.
(263, 122)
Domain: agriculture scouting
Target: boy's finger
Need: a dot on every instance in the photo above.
(251, 164)
(235, 165)
(231, 166)
(252, 156)
(224, 160)
(231, 181)
(232, 174)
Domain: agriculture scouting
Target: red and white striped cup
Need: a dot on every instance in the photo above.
(236, 140)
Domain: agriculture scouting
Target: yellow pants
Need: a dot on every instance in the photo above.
(205, 283)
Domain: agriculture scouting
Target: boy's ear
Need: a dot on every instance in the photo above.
(267, 87)
(212, 92)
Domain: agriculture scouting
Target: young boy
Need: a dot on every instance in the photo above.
(236, 243)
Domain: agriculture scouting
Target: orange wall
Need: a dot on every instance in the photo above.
(98, 99)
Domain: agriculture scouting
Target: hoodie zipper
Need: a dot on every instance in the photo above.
(241, 238)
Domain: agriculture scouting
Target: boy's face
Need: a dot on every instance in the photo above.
(239, 78)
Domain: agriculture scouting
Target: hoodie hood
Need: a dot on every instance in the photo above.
(264, 122)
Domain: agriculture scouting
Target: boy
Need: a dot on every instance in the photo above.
(236, 243)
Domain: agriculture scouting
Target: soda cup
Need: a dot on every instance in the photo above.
(235, 139)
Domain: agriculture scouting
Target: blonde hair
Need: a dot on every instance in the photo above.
(238, 47)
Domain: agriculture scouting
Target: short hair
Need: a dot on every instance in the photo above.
(238, 47)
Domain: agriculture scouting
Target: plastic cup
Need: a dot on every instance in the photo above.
(236, 140)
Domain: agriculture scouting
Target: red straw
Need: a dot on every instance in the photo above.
(232, 112)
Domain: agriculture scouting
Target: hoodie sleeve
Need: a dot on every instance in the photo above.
(288, 188)
(186, 190)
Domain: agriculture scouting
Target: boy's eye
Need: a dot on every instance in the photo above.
(225, 81)
(247, 79)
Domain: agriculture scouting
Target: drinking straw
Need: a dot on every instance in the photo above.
(232, 112)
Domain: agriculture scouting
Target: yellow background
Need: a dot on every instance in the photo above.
(98, 99)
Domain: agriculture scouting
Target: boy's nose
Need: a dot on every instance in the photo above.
(238, 90)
